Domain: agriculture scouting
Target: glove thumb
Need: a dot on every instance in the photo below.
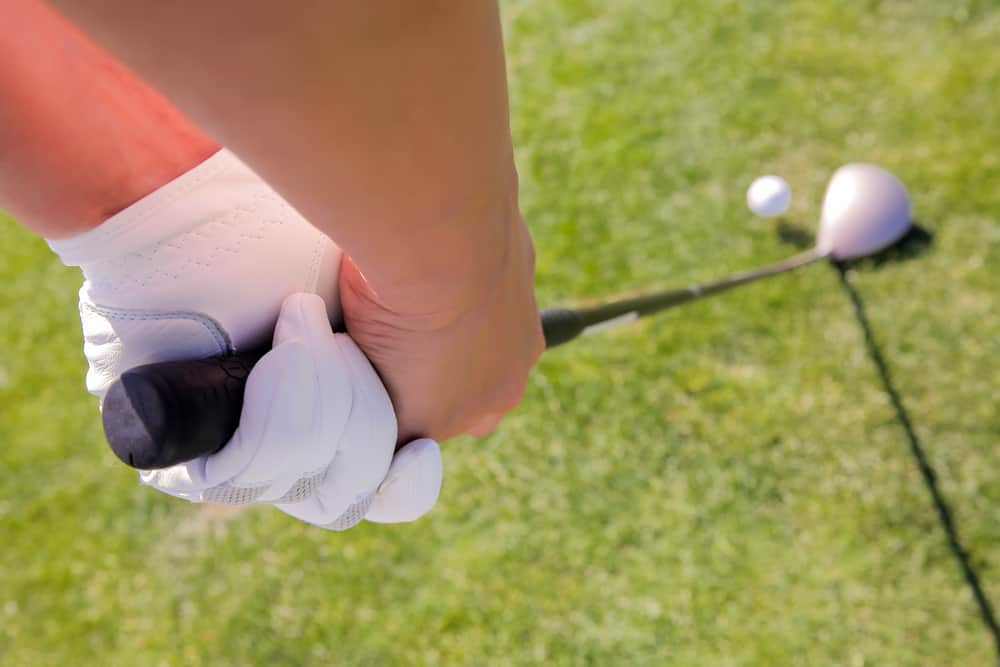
(411, 486)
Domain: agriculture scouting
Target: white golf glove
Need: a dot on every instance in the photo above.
(200, 268)
(316, 436)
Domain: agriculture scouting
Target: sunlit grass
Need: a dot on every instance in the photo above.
(725, 485)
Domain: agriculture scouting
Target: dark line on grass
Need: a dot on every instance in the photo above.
(926, 470)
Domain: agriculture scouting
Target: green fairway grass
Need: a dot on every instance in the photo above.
(725, 485)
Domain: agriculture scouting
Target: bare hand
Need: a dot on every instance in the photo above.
(452, 369)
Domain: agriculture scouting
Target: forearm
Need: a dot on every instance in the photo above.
(378, 120)
(81, 137)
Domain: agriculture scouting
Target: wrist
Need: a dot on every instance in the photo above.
(452, 273)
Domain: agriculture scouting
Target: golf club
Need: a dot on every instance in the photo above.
(162, 414)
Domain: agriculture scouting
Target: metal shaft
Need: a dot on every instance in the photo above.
(562, 325)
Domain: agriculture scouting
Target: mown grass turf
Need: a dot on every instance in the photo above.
(725, 485)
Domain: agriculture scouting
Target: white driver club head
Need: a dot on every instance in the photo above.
(865, 210)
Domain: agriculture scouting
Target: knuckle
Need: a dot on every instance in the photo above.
(484, 426)
(510, 396)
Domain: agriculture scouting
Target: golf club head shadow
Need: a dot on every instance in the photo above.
(795, 235)
(915, 243)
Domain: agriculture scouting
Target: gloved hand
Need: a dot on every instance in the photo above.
(201, 267)
(316, 436)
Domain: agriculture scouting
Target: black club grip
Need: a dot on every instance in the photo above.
(561, 325)
(162, 414)
(158, 415)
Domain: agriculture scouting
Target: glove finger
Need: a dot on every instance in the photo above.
(303, 317)
(297, 425)
(272, 440)
(277, 432)
(304, 321)
(185, 480)
(367, 443)
(410, 489)
(314, 512)
(412, 486)
(369, 437)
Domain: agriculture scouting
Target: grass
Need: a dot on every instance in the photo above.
(725, 485)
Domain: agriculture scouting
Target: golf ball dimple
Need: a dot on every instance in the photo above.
(769, 196)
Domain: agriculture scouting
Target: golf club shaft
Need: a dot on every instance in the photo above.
(162, 414)
(562, 325)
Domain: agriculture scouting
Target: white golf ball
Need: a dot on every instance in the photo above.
(769, 196)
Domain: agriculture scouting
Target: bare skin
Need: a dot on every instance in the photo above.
(386, 124)
(81, 136)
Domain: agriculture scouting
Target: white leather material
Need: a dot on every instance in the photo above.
(316, 436)
(411, 487)
(201, 264)
(190, 335)
(201, 267)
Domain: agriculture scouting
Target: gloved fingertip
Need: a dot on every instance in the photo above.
(301, 314)
(412, 485)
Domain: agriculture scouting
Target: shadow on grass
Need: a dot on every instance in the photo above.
(914, 243)
(926, 470)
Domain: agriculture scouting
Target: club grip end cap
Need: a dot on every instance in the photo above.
(135, 423)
